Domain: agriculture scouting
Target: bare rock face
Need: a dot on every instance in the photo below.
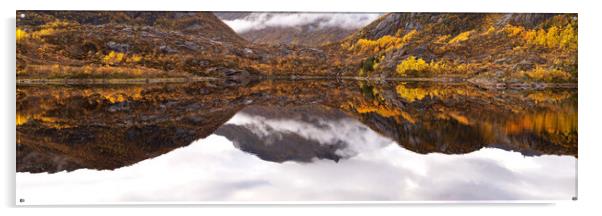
(443, 23)
(529, 20)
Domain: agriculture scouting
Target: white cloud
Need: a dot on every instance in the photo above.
(258, 21)
(212, 169)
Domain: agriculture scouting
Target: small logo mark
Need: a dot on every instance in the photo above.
(21, 200)
(574, 198)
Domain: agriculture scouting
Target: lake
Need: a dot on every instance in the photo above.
(294, 140)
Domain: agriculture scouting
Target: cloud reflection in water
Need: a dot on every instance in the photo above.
(213, 169)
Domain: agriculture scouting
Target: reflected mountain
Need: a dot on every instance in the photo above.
(299, 134)
(111, 126)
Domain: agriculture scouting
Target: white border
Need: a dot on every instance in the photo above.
(313, 5)
(589, 102)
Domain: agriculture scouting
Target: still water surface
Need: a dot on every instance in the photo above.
(294, 141)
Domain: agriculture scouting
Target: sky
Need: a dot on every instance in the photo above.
(258, 21)
(214, 170)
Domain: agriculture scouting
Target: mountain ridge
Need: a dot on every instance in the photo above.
(483, 48)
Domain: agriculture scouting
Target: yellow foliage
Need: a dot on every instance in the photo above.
(411, 94)
(366, 45)
(134, 58)
(114, 58)
(21, 34)
(407, 117)
(419, 93)
(568, 37)
(513, 30)
(55, 68)
(489, 31)
(87, 69)
(460, 37)
(556, 122)
(384, 111)
(406, 38)
(411, 64)
(58, 24)
(50, 29)
(541, 97)
(117, 98)
(539, 73)
(91, 71)
(21, 119)
(137, 72)
(460, 118)
(381, 110)
(442, 38)
(42, 33)
(438, 67)
(385, 43)
(24, 118)
(529, 35)
(553, 37)
(120, 96)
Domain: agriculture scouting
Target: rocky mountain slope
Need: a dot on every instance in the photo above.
(501, 47)
(484, 48)
(116, 44)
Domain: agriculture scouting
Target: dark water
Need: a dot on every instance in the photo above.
(294, 141)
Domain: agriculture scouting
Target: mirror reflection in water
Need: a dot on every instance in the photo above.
(295, 140)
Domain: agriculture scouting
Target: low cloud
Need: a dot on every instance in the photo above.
(258, 21)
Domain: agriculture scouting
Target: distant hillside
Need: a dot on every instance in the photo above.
(308, 29)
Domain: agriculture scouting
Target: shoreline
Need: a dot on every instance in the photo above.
(103, 81)
(100, 81)
(489, 85)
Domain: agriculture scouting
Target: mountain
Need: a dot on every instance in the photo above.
(279, 145)
(490, 50)
(199, 24)
(307, 29)
(482, 46)
(120, 44)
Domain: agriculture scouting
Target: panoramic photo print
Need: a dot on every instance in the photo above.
(254, 107)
